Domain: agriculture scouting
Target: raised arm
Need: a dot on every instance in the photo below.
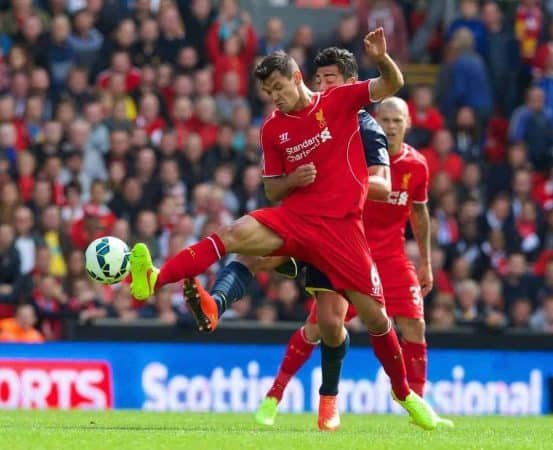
(391, 78)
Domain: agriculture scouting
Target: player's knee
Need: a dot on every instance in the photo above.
(331, 328)
(377, 322)
(412, 329)
(312, 332)
(233, 235)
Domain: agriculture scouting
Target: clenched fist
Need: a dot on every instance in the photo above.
(304, 175)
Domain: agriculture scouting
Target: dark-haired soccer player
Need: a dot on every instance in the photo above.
(320, 219)
(334, 67)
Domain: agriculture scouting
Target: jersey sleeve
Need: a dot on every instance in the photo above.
(420, 192)
(374, 140)
(273, 165)
(354, 96)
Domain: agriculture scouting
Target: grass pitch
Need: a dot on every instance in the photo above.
(82, 430)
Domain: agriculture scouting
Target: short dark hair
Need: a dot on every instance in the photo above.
(275, 62)
(341, 58)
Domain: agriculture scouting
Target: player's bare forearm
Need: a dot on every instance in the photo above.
(389, 81)
(277, 188)
(380, 184)
(420, 223)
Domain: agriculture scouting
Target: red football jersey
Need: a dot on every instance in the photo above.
(326, 134)
(385, 221)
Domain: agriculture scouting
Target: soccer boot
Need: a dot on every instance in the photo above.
(202, 305)
(144, 273)
(267, 411)
(329, 416)
(288, 269)
(421, 412)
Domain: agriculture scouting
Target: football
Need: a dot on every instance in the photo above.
(107, 260)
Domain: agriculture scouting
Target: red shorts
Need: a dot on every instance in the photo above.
(352, 312)
(401, 287)
(337, 247)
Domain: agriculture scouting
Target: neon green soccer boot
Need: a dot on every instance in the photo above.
(422, 413)
(267, 411)
(144, 273)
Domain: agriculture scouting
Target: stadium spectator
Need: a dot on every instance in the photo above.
(520, 313)
(425, 118)
(386, 14)
(273, 38)
(468, 310)
(21, 327)
(346, 35)
(502, 56)
(464, 79)
(198, 15)
(469, 11)
(467, 135)
(441, 156)
(85, 39)
(531, 124)
(542, 320)
(11, 270)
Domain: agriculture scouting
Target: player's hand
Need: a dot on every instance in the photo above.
(375, 43)
(426, 279)
(304, 175)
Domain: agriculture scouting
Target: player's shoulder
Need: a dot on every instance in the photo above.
(368, 122)
(270, 119)
(414, 156)
(270, 123)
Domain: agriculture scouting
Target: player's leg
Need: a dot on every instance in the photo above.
(413, 344)
(332, 309)
(388, 351)
(404, 303)
(245, 235)
(384, 340)
(234, 279)
(298, 351)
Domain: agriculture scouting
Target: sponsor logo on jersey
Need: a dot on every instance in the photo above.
(400, 198)
(303, 149)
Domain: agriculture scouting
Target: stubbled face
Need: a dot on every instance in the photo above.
(329, 76)
(284, 91)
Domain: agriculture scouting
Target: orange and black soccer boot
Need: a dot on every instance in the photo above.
(329, 416)
(203, 306)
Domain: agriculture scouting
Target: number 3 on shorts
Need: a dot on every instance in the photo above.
(416, 294)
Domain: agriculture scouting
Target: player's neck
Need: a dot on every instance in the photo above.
(395, 150)
(306, 97)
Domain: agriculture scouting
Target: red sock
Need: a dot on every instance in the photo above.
(298, 351)
(191, 261)
(414, 356)
(387, 350)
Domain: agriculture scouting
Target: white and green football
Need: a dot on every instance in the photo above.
(107, 260)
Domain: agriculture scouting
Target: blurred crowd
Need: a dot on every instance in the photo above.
(140, 119)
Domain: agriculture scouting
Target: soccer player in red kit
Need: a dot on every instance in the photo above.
(385, 230)
(320, 218)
